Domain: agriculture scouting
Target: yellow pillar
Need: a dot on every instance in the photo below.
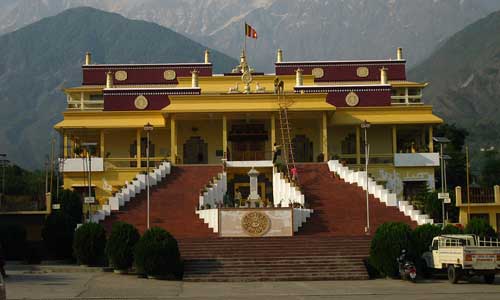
(394, 139)
(173, 141)
(224, 135)
(358, 145)
(273, 130)
(102, 143)
(324, 137)
(431, 142)
(138, 148)
(65, 145)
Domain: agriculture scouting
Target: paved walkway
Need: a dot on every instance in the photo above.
(97, 285)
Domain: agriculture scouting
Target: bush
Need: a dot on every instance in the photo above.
(390, 238)
(57, 234)
(157, 254)
(71, 205)
(120, 245)
(13, 239)
(89, 243)
(452, 229)
(480, 227)
(422, 238)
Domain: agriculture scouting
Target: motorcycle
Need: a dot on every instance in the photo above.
(407, 269)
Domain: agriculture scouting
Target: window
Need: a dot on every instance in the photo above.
(95, 97)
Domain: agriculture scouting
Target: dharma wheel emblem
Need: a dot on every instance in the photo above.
(255, 223)
(141, 102)
(352, 99)
(362, 72)
(121, 75)
(318, 72)
(169, 75)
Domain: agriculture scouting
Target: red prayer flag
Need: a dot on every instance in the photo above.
(250, 32)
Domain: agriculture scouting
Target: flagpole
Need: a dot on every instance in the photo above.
(245, 40)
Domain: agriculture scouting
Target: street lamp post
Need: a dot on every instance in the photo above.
(88, 145)
(442, 141)
(365, 125)
(4, 162)
(148, 128)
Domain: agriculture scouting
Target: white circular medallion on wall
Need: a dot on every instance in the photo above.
(141, 102)
(169, 75)
(121, 75)
(362, 72)
(352, 99)
(318, 72)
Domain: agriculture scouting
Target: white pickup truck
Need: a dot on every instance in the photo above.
(463, 256)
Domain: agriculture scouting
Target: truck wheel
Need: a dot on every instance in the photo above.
(489, 278)
(426, 271)
(453, 274)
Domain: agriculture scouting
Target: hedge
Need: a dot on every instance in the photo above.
(13, 239)
(57, 234)
(387, 243)
(157, 254)
(89, 243)
(422, 238)
(120, 245)
(480, 228)
(452, 229)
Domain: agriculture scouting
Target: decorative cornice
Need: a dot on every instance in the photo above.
(149, 92)
(341, 89)
(149, 66)
(349, 63)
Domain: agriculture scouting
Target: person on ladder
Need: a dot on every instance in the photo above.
(276, 152)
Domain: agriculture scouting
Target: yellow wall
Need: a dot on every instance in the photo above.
(491, 210)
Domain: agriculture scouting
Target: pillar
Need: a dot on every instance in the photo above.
(173, 141)
(138, 149)
(394, 139)
(324, 137)
(101, 143)
(431, 142)
(224, 135)
(65, 145)
(358, 145)
(81, 100)
(273, 130)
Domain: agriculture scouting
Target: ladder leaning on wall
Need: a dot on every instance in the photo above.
(286, 141)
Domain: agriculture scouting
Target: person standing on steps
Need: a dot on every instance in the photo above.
(276, 152)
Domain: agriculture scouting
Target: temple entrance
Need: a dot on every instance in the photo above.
(195, 151)
(248, 142)
(303, 148)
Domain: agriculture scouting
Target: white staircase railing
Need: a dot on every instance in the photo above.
(378, 191)
(284, 193)
(130, 190)
(215, 192)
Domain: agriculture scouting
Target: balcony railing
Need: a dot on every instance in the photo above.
(416, 159)
(100, 164)
(81, 164)
(478, 195)
(85, 104)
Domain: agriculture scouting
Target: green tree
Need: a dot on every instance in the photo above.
(455, 167)
(490, 170)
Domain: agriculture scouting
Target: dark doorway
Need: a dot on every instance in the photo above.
(195, 151)
(303, 149)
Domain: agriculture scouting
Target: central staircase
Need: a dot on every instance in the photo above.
(331, 245)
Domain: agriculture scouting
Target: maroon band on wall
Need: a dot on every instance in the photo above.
(345, 72)
(366, 98)
(142, 74)
(123, 103)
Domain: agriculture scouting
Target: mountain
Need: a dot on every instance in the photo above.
(304, 29)
(39, 59)
(464, 76)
